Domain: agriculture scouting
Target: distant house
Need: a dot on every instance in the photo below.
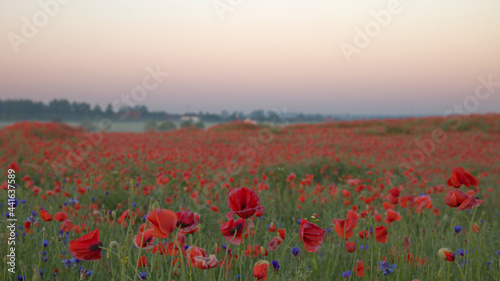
(190, 118)
(250, 121)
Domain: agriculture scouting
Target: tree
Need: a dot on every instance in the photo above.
(97, 112)
(109, 111)
(150, 126)
(258, 115)
(167, 126)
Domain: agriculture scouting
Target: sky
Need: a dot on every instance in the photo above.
(421, 57)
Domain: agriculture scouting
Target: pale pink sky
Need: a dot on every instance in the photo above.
(283, 54)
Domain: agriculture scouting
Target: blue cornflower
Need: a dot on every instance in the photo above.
(346, 274)
(295, 251)
(498, 252)
(87, 272)
(386, 267)
(33, 213)
(186, 247)
(276, 265)
(73, 260)
(21, 277)
(143, 275)
(462, 252)
(45, 243)
(458, 228)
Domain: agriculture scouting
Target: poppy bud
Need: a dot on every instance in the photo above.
(113, 214)
(36, 274)
(155, 205)
(441, 273)
(113, 245)
(445, 218)
(262, 251)
(201, 226)
(446, 254)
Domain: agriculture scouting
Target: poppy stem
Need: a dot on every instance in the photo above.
(283, 254)
(180, 254)
(459, 268)
(316, 264)
(241, 246)
(93, 270)
(474, 241)
(111, 251)
(225, 255)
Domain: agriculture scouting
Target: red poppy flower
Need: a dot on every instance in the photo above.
(125, 215)
(423, 201)
(274, 243)
(142, 262)
(344, 228)
(363, 234)
(381, 234)
(45, 215)
(311, 235)
(231, 227)
(86, 247)
(469, 203)
(450, 256)
(459, 176)
(260, 270)
(244, 203)
(163, 222)
(395, 192)
(392, 216)
(187, 221)
(206, 262)
(360, 269)
(350, 246)
(446, 254)
(194, 251)
(454, 198)
(144, 239)
(67, 226)
(282, 233)
(60, 216)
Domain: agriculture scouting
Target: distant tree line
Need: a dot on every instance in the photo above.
(64, 110)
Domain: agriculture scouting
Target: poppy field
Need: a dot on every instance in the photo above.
(402, 199)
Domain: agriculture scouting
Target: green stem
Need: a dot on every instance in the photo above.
(475, 247)
(461, 273)
(225, 256)
(241, 246)
(283, 254)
